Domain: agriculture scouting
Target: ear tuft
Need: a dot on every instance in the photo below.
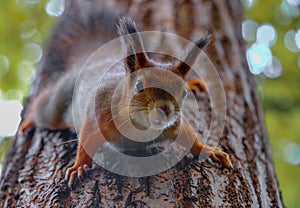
(183, 67)
(126, 26)
(202, 42)
(135, 57)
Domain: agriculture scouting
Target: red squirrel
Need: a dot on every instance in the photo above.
(52, 108)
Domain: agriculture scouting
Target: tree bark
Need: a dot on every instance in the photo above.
(33, 171)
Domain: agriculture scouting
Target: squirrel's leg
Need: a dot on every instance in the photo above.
(38, 101)
(45, 112)
(48, 109)
(187, 136)
(196, 84)
(83, 160)
(28, 122)
(89, 141)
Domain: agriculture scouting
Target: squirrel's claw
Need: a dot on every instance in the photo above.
(72, 179)
(217, 155)
(80, 173)
(75, 172)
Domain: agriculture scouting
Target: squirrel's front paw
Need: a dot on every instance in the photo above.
(76, 171)
(217, 155)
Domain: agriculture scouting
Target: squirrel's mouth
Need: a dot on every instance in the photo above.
(156, 118)
(157, 122)
(161, 124)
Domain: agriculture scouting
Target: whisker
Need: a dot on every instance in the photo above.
(138, 110)
(132, 103)
(72, 140)
(126, 121)
(118, 115)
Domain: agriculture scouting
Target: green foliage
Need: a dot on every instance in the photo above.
(280, 100)
(20, 24)
(4, 144)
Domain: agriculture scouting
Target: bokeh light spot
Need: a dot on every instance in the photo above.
(249, 28)
(28, 29)
(294, 2)
(37, 38)
(297, 38)
(25, 72)
(266, 34)
(288, 9)
(289, 41)
(10, 111)
(55, 7)
(280, 17)
(275, 70)
(291, 153)
(4, 65)
(33, 52)
(258, 56)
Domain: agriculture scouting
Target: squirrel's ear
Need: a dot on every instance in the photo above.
(182, 68)
(136, 58)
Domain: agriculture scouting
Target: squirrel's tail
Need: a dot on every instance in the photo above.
(84, 26)
(49, 107)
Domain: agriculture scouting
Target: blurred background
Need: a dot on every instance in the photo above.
(271, 30)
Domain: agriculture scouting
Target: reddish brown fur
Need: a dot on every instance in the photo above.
(89, 137)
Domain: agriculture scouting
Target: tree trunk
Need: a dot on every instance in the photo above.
(33, 171)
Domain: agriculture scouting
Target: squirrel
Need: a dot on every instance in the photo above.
(148, 107)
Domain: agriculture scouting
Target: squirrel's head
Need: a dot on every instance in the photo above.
(156, 90)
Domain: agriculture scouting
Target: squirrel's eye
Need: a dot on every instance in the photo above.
(139, 86)
(184, 93)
